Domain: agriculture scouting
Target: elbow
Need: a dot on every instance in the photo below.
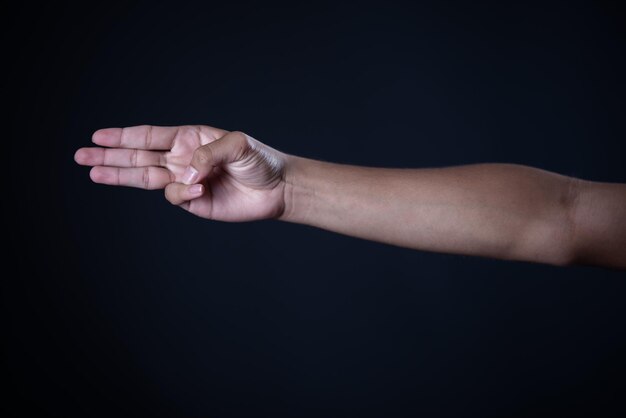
(551, 236)
(594, 224)
(566, 248)
(584, 226)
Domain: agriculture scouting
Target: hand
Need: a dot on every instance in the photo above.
(212, 173)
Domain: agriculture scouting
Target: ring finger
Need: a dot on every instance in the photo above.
(149, 177)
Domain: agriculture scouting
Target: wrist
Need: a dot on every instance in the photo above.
(296, 193)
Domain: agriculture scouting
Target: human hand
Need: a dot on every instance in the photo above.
(212, 173)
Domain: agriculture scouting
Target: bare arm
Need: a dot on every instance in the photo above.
(492, 210)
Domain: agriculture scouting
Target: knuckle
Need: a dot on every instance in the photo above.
(240, 141)
(133, 158)
(239, 137)
(148, 137)
(237, 134)
(203, 156)
(189, 132)
(145, 178)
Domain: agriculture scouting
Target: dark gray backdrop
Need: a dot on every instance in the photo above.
(125, 305)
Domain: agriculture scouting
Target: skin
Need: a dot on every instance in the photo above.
(503, 211)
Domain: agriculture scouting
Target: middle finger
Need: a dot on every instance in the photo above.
(118, 157)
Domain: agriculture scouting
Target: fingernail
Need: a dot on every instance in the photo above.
(190, 176)
(195, 189)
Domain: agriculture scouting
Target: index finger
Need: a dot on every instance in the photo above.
(138, 137)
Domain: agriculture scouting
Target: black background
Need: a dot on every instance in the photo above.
(125, 305)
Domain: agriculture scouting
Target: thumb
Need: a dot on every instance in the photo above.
(229, 148)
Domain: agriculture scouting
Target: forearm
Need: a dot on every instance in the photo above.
(493, 210)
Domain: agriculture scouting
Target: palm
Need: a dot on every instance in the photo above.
(153, 157)
(185, 142)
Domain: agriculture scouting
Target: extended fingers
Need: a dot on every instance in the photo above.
(117, 157)
(141, 137)
(142, 177)
(151, 137)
